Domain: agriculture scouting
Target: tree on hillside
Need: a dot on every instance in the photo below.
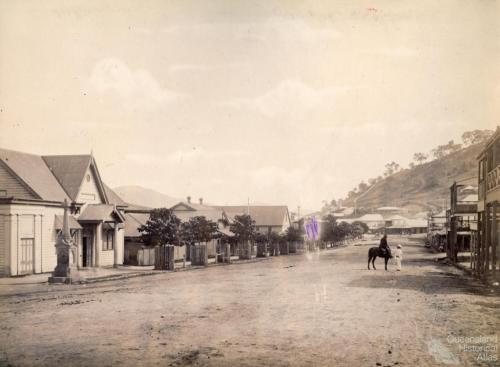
(411, 165)
(420, 157)
(243, 227)
(162, 228)
(391, 168)
(476, 136)
(362, 186)
(442, 151)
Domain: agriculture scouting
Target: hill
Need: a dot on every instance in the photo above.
(423, 187)
(145, 197)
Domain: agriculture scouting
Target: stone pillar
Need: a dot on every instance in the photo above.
(116, 260)
(66, 268)
(227, 253)
(98, 244)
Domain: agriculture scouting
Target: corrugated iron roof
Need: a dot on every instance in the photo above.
(73, 224)
(132, 223)
(69, 171)
(99, 212)
(263, 215)
(34, 172)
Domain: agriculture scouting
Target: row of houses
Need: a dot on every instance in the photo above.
(33, 189)
(391, 220)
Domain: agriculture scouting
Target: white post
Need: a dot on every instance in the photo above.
(98, 243)
(115, 246)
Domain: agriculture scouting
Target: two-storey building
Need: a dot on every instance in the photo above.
(486, 250)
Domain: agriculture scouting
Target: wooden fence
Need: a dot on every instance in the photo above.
(164, 257)
(146, 256)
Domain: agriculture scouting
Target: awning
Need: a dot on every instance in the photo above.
(73, 224)
(100, 213)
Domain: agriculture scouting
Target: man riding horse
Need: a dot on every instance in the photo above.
(384, 247)
(383, 250)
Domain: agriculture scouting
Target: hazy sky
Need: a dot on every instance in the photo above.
(282, 102)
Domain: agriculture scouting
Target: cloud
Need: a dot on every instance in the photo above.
(270, 176)
(285, 29)
(197, 154)
(281, 29)
(291, 98)
(189, 67)
(134, 86)
(395, 51)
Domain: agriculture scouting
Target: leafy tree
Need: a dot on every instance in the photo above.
(261, 238)
(420, 157)
(362, 186)
(412, 165)
(275, 237)
(391, 168)
(327, 228)
(293, 234)
(476, 136)
(162, 227)
(243, 227)
(198, 229)
(363, 226)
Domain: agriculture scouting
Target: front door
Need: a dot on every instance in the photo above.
(86, 251)
(26, 258)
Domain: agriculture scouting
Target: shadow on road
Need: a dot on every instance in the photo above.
(431, 282)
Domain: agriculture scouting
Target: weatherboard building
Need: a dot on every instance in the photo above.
(32, 191)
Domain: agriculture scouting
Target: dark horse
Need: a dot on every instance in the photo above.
(373, 252)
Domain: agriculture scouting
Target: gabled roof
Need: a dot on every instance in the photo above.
(132, 223)
(34, 173)
(263, 215)
(371, 217)
(113, 197)
(185, 211)
(69, 170)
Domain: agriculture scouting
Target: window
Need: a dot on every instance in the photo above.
(107, 240)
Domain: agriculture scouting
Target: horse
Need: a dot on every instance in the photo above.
(373, 252)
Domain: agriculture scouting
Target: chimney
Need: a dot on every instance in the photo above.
(201, 201)
(189, 199)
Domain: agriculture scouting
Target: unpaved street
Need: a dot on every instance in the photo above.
(315, 309)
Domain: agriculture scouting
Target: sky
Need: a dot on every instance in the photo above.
(276, 102)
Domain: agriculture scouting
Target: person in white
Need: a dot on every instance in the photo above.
(398, 254)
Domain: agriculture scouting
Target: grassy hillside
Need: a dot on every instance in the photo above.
(424, 187)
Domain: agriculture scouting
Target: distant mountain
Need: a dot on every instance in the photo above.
(423, 187)
(145, 197)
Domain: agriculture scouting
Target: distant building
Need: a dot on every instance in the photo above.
(486, 249)
(375, 222)
(268, 218)
(32, 190)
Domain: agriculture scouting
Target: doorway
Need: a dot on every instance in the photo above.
(86, 251)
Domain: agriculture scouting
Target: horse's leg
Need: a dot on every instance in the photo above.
(369, 259)
(373, 263)
(386, 261)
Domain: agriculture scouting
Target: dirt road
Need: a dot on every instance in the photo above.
(321, 309)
